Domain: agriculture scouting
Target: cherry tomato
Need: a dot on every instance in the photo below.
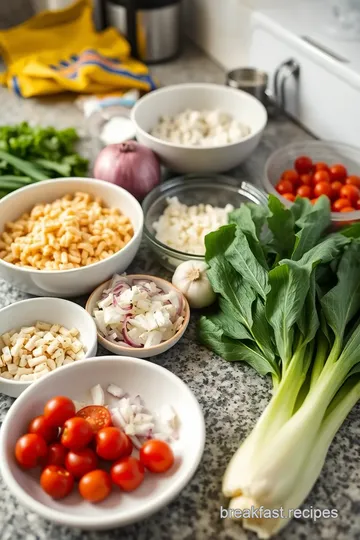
(321, 166)
(338, 172)
(127, 473)
(306, 179)
(156, 456)
(335, 189)
(81, 462)
(353, 181)
(347, 209)
(291, 176)
(129, 447)
(40, 426)
(95, 486)
(284, 186)
(357, 205)
(321, 176)
(59, 409)
(56, 481)
(77, 433)
(341, 203)
(304, 191)
(97, 416)
(303, 164)
(56, 454)
(289, 196)
(350, 192)
(111, 443)
(322, 188)
(30, 450)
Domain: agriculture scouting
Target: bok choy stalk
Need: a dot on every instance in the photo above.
(289, 305)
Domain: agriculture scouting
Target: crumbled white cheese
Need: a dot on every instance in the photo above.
(184, 227)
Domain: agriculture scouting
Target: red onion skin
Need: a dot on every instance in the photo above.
(129, 165)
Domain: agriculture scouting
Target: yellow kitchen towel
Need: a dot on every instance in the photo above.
(57, 51)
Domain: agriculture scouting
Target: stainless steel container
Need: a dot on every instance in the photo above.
(151, 26)
(251, 80)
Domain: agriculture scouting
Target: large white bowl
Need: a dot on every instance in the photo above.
(50, 310)
(67, 283)
(157, 386)
(172, 100)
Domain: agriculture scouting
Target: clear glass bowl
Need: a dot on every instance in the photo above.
(216, 190)
(329, 152)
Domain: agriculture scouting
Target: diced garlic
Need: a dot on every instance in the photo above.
(115, 391)
(97, 395)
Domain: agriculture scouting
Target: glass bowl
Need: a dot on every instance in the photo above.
(327, 151)
(216, 190)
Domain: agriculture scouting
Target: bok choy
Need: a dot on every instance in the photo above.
(289, 305)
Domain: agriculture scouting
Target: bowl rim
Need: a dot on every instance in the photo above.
(242, 188)
(336, 217)
(173, 340)
(83, 181)
(49, 299)
(176, 87)
(100, 522)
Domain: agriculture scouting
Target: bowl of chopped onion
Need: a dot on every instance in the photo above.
(199, 127)
(138, 315)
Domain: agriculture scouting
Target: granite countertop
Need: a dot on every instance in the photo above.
(232, 395)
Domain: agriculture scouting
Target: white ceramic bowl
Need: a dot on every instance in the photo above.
(140, 352)
(157, 386)
(51, 310)
(67, 283)
(172, 100)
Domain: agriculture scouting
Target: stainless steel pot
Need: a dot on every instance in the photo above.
(151, 26)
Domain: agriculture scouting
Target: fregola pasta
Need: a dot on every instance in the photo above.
(70, 232)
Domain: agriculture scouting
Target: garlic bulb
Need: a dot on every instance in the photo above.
(191, 279)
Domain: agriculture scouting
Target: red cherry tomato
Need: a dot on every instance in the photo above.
(347, 209)
(56, 481)
(127, 473)
(350, 192)
(291, 176)
(322, 188)
(97, 416)
(306, 179)
(111, 443)
(341, 203)
(56, 454)
(321, 166)
(357, 205)
(40, 426)
(30, 450)
(289, 196)
(284, 186)
(76, 434)
(303, 164)
(59, 409)
(129, 447)
(338, 172)
(156, 456)
(353, 181)
(304, 191)
(335, 189)
(81, 462)
(95, 486)
(321, 176)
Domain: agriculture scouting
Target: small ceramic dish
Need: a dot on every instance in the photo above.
(158, 387)
(50, 310)
(138, 352)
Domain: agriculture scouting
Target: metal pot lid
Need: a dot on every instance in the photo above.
(145, 4)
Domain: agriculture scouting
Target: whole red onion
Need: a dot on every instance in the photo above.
(129, 165)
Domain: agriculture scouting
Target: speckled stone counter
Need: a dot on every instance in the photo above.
(232, 396)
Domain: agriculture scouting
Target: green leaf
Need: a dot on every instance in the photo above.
(308, 322)
(311, 225)
(281, 223)
(353, 231)
(262, 330)
(243, 218)
(240, 255)
(301, 208)
(227, 319)
(234, 351)
(324, 252)
(218, 241)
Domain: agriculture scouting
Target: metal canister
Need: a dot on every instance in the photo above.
(250, 80)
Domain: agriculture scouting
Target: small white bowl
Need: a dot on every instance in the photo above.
(137, 351)
(158, 387)
(172, 100)
(50, 310)
(67, 283)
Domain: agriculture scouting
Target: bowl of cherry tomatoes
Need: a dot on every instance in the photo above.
(313, 168)
(72, 462)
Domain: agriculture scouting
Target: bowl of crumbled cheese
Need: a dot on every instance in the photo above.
(181, 212)
(199, 127)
